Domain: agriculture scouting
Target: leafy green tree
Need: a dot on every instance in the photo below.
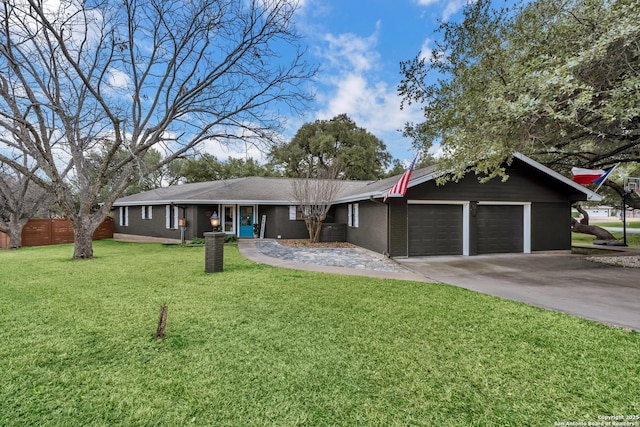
(556, 80)
(398, 167)
(336, 143)
(207, 167)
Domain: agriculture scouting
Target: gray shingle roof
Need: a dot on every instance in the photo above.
(263, 190)
(279, 191)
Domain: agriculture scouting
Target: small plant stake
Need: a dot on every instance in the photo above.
(162, 322)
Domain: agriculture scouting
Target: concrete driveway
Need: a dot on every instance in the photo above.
(561, 282)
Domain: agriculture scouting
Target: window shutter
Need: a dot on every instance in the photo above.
(167, 216)
(292, 213)
(175, 217)
(150, 212)
(143, 211)
(356, 214)
(349, 215)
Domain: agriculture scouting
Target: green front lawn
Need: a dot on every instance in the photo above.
(257, 345)
(630, 224)
(633, 240)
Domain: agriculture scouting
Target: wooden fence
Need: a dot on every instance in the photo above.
(41, 232)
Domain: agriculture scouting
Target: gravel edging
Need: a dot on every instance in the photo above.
(631, 261)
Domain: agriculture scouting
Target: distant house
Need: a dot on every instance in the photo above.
(531, 211)
(600, 211)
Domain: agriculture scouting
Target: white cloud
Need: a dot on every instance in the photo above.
(448, 7)
(350, 49)
(118, 79)
(453, 7)
(237, 151)
(353, 84)
(426, 52)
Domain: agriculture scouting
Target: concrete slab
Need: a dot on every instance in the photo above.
(561, 282)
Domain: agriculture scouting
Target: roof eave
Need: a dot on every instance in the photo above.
(203, 202)
(591, 195)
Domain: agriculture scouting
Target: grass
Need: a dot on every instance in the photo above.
(257, 345)
(633, 240)
(618, 224)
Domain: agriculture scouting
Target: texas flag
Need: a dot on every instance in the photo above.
(590, 176)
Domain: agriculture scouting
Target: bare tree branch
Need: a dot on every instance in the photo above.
(120, 77)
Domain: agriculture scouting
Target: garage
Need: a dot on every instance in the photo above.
(435, 229)
(500, 229)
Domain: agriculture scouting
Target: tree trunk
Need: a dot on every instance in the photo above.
(313, 228)
(15, 235)
(583, 226)
(632, 199)
(585, 215)
(83, 229)
(594, 230)
(13, 228)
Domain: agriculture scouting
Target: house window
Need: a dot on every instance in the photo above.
(171, 217)
(353, 214)
(147, 212)
(124, 216)
(296, 213)
(229, 219)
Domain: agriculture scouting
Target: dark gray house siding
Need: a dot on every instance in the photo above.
(279, 226)
(154, 227)
(397, 233)
(524, 184)
(197, 218)
(528, 212)
(371, 232)
(550, 226)
(492, 228)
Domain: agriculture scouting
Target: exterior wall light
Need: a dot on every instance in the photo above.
(215, 221)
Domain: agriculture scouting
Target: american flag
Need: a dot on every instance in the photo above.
(401, 186)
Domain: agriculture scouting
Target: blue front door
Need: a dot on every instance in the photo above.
(246, 221)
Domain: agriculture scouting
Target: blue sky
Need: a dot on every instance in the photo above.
(359, 45)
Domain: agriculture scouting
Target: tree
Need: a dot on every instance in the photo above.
(122, 77)
(20, 200)
(207, 167)
(315, 197)
(556, 80)
(398, 167)
(338, 142)
(148, 176)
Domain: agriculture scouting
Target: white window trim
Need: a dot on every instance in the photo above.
(124, 216)
(353, 215)
(294, 211)
(147, 212)
(167, 217)
(233, 218)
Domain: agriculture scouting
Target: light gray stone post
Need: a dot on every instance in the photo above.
(214, 252)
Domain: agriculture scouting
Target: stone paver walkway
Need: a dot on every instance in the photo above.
(336, 257)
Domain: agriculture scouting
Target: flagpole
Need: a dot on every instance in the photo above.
(624, 217)
(610, 172)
